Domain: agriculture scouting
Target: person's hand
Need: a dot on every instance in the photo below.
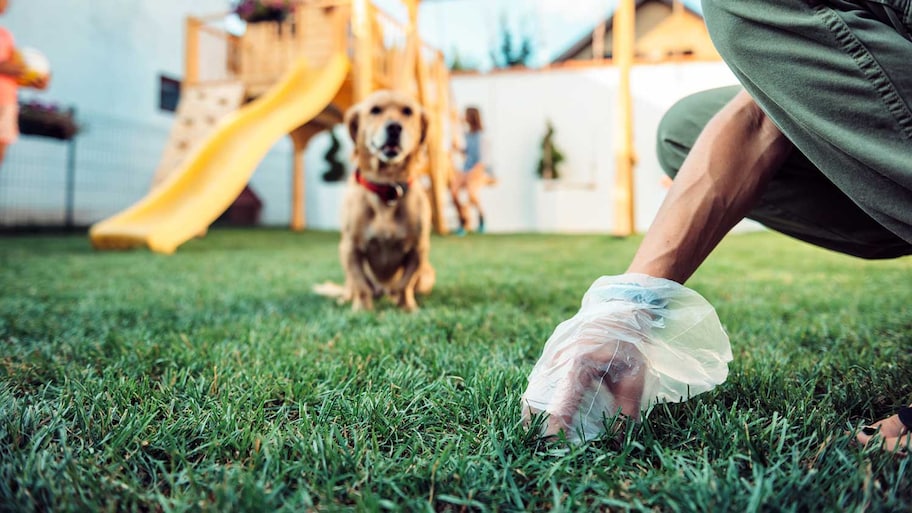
(636, 341)
(14, 68)
(602, 375)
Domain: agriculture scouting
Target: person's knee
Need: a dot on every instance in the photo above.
(682, 123)
(729, 23)
(671, 139)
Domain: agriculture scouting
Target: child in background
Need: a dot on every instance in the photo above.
(475, 173)
(12, 69)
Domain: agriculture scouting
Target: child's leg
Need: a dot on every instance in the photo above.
(9, 128)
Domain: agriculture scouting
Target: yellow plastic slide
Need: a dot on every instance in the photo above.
(216, 172)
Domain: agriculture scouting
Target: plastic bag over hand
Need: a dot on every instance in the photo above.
(636, 341)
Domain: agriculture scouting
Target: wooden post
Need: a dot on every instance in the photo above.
(598, 42)
(677, 8)
(412, 52)
(191, 49)
(300, 137)
(298, 187)
(364, 46)
(441, 161)
(622, 53)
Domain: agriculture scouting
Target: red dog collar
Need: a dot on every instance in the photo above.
(388, 192)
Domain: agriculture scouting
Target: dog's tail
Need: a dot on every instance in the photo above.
(330, 289)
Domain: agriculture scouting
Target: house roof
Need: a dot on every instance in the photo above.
(586, 39)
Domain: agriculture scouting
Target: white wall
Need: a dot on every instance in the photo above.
(106, 54)
(581, 103)
(106, 57)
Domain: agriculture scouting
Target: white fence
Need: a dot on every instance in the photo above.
(116, 158)
(582, 104)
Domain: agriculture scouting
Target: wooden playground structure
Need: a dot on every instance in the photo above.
(222, 71)
(297, 77)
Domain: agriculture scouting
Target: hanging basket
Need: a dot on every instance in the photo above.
(47, 121)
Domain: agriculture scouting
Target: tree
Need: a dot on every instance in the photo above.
(509, 54)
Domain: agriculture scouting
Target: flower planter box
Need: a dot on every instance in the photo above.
(47, 121)
(258, 11)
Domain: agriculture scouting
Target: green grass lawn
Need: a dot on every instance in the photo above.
(214, 380)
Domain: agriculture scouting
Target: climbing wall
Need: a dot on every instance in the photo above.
(200, 109)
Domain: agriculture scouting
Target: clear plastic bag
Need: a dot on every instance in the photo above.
(635, 342)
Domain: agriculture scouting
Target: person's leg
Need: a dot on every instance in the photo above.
(799, 200)
(456, 183)
(835, 78)
(476, 178)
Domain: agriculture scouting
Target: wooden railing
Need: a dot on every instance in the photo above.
(211, 52)
(315, 31)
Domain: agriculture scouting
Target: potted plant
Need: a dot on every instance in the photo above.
(255, 11)
(551, 157)
(336, 171)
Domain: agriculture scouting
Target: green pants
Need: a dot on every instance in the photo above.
(836, 77)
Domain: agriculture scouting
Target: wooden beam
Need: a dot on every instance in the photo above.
(622, 54)
(412, 51)
(362, 21)
(191, 50)
(300, 137)
(598, 41)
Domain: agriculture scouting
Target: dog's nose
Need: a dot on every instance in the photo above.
(393, 129)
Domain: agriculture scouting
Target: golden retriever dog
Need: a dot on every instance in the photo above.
(386, 218)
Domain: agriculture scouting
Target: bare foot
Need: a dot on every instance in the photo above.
(891, 432)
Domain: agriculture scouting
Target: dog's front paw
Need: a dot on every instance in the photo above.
(406, 300)
(362, 301)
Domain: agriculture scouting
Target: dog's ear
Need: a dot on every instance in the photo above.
(352, 118)
(424, 126)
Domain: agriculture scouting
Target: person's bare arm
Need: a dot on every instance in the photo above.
(722, 178)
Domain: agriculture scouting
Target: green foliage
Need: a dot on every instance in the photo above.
(509, 54)
(456, 63)
(336, 171)
(551, 156)
(214, 380)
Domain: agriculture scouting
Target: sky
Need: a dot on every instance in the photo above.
(471, 28)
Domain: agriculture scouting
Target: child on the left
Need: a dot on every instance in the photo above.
(12, 72)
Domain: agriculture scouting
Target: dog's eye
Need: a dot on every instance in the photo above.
(407, 111)
(376, 110)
